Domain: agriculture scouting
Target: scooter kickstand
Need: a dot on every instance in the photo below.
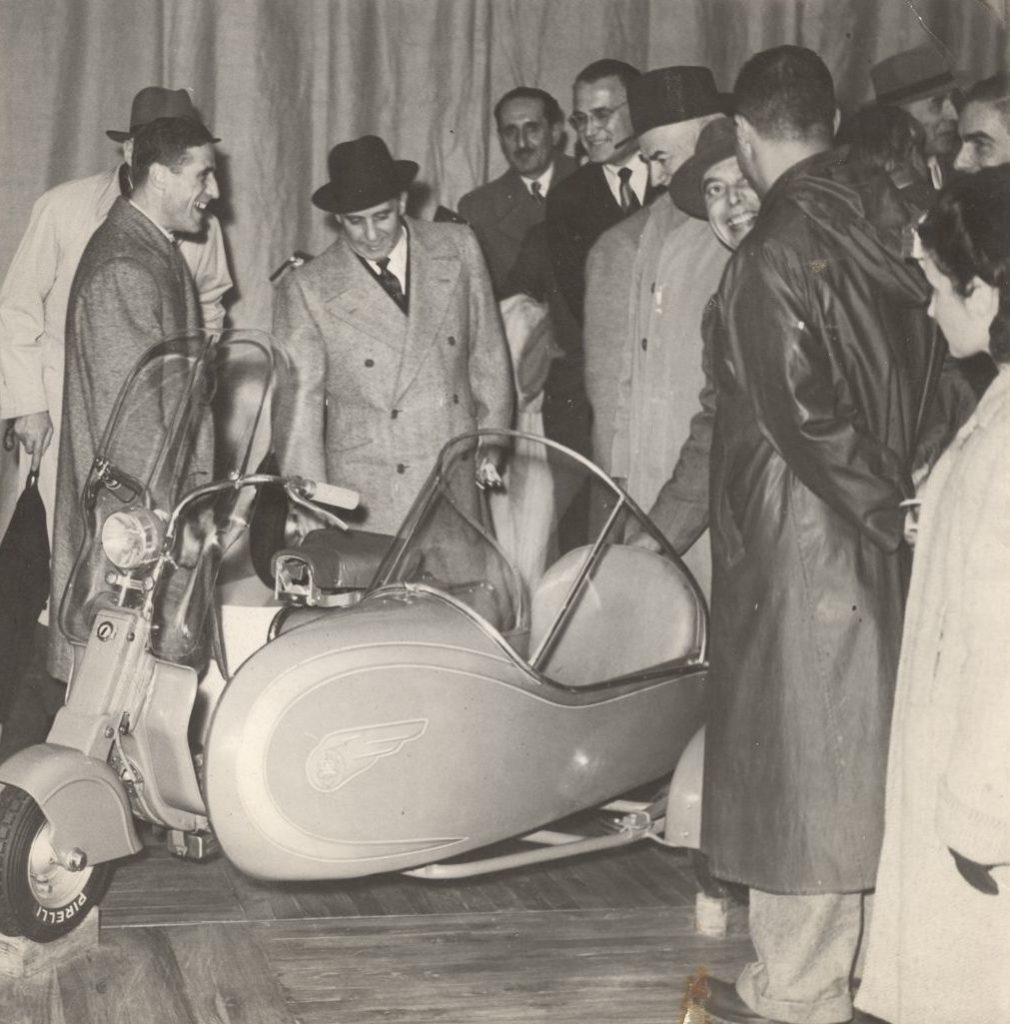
(198, 846)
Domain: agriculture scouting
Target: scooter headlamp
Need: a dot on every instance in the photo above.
(132, 538)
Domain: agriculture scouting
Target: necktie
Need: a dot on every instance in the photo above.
(391, 283)
(629, 201)
(538, 196)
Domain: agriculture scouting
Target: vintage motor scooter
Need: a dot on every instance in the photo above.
(498, 665)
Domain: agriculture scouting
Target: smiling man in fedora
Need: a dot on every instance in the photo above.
(33, 299)
(392, 338)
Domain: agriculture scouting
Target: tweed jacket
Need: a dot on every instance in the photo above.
(373, 394)
(502, 212)
(132, 289)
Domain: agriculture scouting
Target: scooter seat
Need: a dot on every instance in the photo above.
(335, 559)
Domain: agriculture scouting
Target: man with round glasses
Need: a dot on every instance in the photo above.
(612, 184)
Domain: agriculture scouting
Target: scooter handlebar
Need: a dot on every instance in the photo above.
(328, 494)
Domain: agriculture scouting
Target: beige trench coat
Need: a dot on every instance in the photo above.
(939, 950)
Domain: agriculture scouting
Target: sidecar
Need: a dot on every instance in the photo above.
(506, 667)
(508, 662)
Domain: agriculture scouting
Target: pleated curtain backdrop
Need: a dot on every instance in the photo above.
(281, 81)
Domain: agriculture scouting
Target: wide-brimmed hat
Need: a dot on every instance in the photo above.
(154, 102)
(670, 95)
(362, 174)
(716, 143)
(911, 75)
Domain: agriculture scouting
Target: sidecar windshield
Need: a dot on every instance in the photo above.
(186, 416)
(541, 559)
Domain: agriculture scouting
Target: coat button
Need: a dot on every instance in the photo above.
(455, 399)
(645, 344)
(401, 468)
(452, 340)
(394, 414)
(369, 362)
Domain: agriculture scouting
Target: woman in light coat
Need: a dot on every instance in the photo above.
(940, 936)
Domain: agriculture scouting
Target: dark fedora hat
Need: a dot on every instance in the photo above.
(911, 75)
(669, 95)
(362, 174)
(154, 102)
(716, 143)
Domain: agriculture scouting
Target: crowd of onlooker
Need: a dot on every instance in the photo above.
(782, 331)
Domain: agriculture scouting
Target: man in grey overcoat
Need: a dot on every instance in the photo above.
(392, 340)
(131, 290)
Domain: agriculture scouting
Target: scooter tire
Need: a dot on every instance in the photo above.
(39, 899)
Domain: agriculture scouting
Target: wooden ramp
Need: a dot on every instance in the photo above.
(606, 939)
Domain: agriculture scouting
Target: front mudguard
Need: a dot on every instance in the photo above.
(82, 798)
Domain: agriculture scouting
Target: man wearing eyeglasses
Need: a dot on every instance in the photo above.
(613, 184)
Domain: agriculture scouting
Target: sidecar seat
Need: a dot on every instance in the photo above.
(635, 610)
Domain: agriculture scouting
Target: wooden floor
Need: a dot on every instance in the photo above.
(607, 938)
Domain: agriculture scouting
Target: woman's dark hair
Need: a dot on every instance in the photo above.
(967, 233)
(882, 136)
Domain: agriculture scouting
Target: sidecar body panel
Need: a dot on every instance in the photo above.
(403, 731)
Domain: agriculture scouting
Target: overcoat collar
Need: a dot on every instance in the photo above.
(359, 300)
(128, 219)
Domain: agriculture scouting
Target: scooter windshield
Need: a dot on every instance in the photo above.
(186, 416)
(538, 556)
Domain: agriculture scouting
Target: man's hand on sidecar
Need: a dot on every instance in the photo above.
(487, 469)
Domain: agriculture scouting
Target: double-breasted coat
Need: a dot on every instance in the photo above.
(938, 948)
(132, 289)
(372, 394)
(819, 369)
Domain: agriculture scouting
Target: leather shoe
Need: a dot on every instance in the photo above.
(725, 1005)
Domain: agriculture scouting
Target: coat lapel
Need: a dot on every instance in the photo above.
(515, 209)
(434, 271)
(359, 300)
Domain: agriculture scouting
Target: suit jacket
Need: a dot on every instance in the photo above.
(579, 210)
(373, 394)
(131, 290)
(502, 212)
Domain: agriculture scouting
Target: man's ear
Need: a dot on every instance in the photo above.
(128, 152)
(744, 133)
(557, 132)
(837, 121)
(402, 202)
(157, 175)
(982, 301)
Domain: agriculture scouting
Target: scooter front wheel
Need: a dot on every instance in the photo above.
(39, 898)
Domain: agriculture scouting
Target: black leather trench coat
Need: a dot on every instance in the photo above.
(820, 365)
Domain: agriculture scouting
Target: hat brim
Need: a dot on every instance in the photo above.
(919, 91)
(685, 185)
(720, 103)
(126, 136)
(331, 199)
